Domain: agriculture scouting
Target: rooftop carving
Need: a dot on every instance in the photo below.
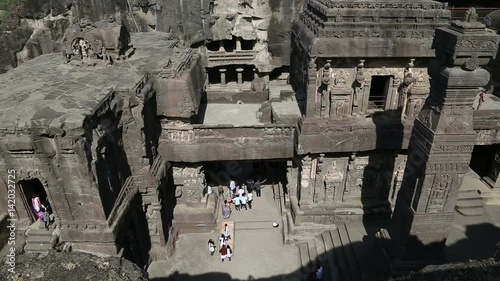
(89, 42)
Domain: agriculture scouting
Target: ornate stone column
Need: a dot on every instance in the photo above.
(223, 77)
(441, 144)
(240, 76)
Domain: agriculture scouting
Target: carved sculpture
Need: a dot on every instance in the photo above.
(471, 15)
(105, 40)
(258, 84)
(359, 84)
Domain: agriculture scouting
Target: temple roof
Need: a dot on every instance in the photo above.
(44, 92)
(351, 28)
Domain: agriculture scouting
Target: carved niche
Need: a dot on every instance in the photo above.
(439, 193)
(332, 180)
(340, 95)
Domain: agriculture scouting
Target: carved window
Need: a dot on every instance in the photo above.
(379, 89)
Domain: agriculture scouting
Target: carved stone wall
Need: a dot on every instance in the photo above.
(189, 182)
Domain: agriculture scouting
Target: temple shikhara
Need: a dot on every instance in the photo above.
(372, 127)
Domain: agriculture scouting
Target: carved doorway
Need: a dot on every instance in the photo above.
(30, 189)
(379, 90)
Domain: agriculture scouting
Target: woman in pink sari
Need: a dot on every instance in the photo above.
(36, 203)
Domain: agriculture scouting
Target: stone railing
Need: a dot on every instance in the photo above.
(127, 193)
(219, 58)
(209, 143)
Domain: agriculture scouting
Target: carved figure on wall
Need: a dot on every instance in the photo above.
(258, 84)
(471, 15)
(326, 77)
(398, 180)
(359, 84)
(405, 88)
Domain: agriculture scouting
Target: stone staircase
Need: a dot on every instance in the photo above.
(40, 240)
(337, 252)
(470, 203)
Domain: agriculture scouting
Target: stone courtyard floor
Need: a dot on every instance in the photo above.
(259, 253)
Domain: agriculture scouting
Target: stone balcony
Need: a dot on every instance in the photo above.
(237, 57)
(197, 143)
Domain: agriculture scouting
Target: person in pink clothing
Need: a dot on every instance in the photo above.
(36, 203)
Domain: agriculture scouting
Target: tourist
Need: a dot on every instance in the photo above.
(37, 204)
(223, 252)
(243, 202)
(227, 232)
(250, 183)
(47, 206)
(319, 273)
(258, 188)
(250, 199)
(211, 247)
(237, 201)
(45, 217)
(232, 186)
(221, 191)
(229, 252)
(226, 211)
(241, 191)
(222, 240)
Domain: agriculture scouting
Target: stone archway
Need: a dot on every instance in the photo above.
(28, 189)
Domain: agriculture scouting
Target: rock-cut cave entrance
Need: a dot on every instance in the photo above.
(30, 189)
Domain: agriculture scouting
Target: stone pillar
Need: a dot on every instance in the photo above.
(440, 146)
(240, 76)
(223, 77)
(238, 43)
(307, 181)
(221, 46)
(311, 88)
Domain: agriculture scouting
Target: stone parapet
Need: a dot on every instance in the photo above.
(198, 143)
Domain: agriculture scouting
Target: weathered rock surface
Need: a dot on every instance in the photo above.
(58, 266)
(488, 270)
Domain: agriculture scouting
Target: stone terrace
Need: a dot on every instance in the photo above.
(45, 92)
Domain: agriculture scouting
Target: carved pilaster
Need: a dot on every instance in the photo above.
(441, 143)
(307, 176)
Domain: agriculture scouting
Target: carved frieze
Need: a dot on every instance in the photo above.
(372, 5)
(447, 167)
(178, 135)
(286, 131)
(452, 148)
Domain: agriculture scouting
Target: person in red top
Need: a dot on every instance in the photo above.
(223, 252)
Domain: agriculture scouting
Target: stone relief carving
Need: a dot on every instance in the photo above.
(455, 126)
(332, 180)
(439, 192)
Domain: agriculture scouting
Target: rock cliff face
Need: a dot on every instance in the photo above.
(66, 266)
(32, 28)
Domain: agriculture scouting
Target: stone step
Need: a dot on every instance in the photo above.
(324, 259)
(36, 248)
(39, 240)
(254, 225)
(39, 232)
(469, 194)
(304, 257)
(471, 212)
(340, 256)
(313, 252)
(349, 253)
(471, 203)
(331, 259)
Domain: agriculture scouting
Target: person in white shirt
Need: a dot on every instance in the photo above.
(241, 191)
(250, 199)
(222, 241)
(211, 247)
(232, 186)
(243, 202)
(227, 232)
(229, 252)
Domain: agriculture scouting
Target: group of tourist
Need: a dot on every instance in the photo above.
(41, 211)
(238, 196)
(225, 250)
